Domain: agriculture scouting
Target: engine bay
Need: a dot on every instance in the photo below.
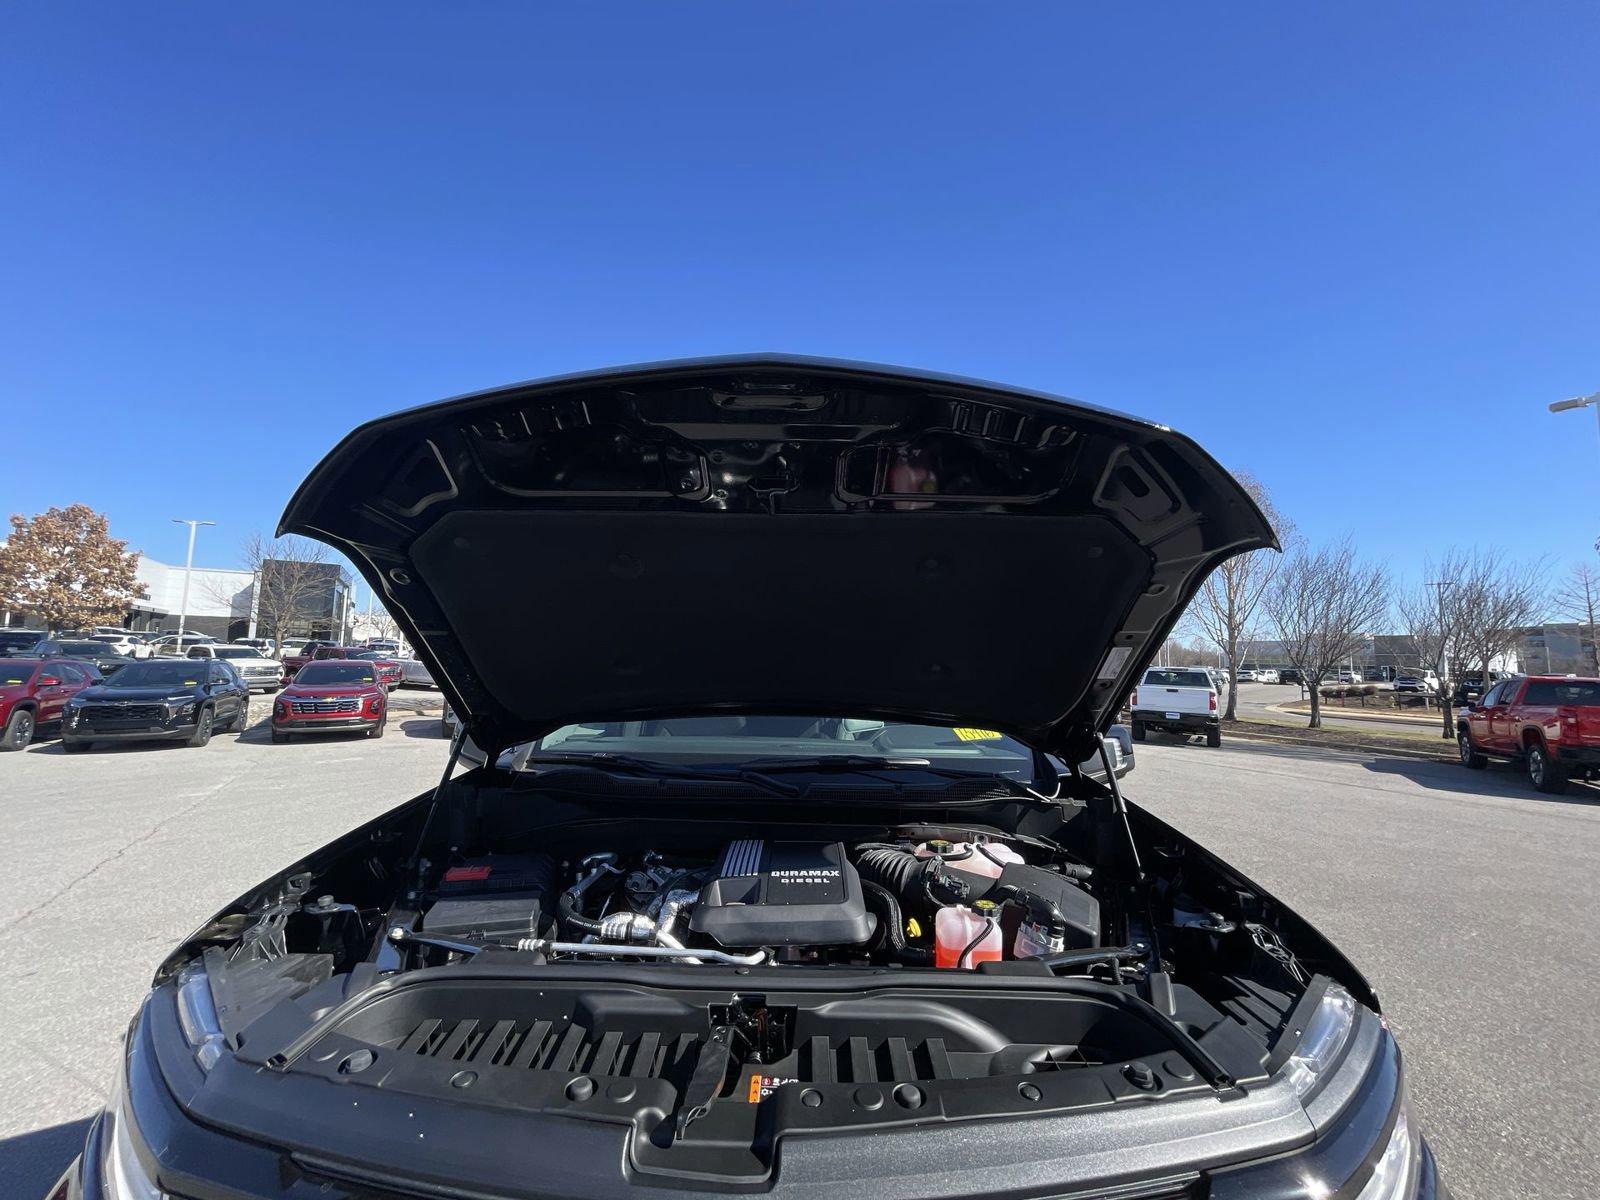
(915, 901)
(717, 975)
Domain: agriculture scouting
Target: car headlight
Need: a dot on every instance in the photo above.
(1323, 1040)
(1394, 1176)
(197, 1016)
(122, 1173)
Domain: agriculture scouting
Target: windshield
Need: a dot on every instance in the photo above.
(83, 647)
(1176, 677)
(321, 673)
(234, 652)
(739, 739)
(108, 637)
(179, 673)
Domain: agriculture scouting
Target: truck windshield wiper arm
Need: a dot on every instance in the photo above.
(607, 760)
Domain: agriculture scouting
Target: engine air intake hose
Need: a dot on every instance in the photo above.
(920, 883)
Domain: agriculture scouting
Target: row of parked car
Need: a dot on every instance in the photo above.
(185, 691)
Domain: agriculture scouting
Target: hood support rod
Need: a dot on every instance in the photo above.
(433, 805)
(1120, 806)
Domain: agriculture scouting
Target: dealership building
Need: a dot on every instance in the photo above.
(222, 602)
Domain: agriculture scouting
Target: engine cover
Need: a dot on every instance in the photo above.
(784, 894)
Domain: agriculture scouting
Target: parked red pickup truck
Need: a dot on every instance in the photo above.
(1550, 722)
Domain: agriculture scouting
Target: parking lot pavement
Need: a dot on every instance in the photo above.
(114, 856)
(1464, 897)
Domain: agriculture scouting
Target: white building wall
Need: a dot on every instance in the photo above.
(213, 591)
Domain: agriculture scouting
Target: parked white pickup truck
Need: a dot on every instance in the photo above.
(1179, 700)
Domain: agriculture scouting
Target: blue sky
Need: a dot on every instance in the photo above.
(1353, 249)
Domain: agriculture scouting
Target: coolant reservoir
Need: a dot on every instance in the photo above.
(965, 937)
(984, 859)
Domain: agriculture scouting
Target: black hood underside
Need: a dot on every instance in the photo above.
(778, 535)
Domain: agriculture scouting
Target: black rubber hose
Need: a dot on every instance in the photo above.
(988, 924)
(892, 920)
(571, 919)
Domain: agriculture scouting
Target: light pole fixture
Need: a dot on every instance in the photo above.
(188, 571)
(1592, 400)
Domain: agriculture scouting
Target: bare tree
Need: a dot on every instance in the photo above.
(1176, 653)
(1321, 603)
(291, 577)
(1227, 607)
(1433, 618)
(1578, 597)
(1498, 598)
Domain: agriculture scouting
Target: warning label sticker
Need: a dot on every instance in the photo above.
(762, 1086)
(977, 735)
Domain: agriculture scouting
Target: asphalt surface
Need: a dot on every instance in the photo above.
(1465, 898)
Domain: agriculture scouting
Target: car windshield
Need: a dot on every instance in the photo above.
(107, 637)
(180, 673)
(83, 647)
(1564, 691)
(234, 652)
(743, 739)
(320, 673)
(1176, 677)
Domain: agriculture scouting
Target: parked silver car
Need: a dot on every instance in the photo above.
(414, 673)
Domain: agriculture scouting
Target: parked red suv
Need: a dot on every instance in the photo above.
(332, 696)
(34, 693)
(1550, 722)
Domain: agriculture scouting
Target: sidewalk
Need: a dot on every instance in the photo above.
(1429, 719)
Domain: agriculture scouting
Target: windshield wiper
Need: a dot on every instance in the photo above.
(607, 760)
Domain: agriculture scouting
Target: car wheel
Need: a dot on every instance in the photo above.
(1213, 737)
(1138, 731)
(241, 720)
(1469, 753)
(1543, 774)
(279, 737)
(18, 731)
(202, 728)
(377, 730)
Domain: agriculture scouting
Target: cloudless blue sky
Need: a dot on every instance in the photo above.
(1354, 249)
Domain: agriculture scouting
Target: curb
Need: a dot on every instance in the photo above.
(1353, 714)
(1283, 739)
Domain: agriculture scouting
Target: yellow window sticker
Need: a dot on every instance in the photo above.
(978, 735)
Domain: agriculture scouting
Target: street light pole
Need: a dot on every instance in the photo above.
(1592, 400)
(188, 571)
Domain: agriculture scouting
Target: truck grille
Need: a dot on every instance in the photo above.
(345, 704)
(107, 716)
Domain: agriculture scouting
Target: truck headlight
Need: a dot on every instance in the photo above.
(1394, 1176)
(197, 1016)
(1323, 1040)
(122, 1173)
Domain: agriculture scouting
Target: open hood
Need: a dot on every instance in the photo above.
(778, 534)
